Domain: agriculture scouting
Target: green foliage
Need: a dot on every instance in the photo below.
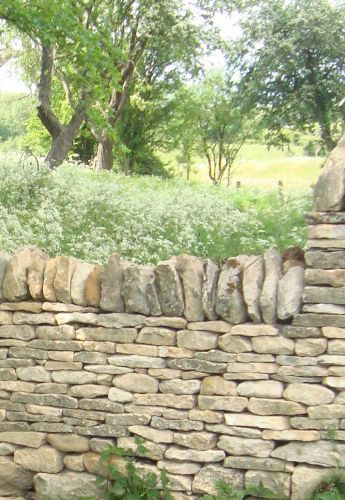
(289, 56)
(131, 484)
(75, 211)
(15, 110)
(331, 488)
(226, 491)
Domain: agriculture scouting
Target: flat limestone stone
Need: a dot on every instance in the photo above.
(269, 464)
(262, 388)
(331, 277)
(245, 446)
(291, 435)
(136, 382)
(156, 336)
(261, 422)
(324, 295)
(43, 459)
(234, 343)
(309, 394)
(226, 403)
(183, 454)
(310, 347)
(66, 486)
(250, 330)
(315, 453)
(275, 407)
(169, 322)
(211, 326)
(177, 386)
(70, 443)
(319, 259)
(197, 340)
(30, 439)
(216, 385)
(154, 435)
(273, 345)
(324, 309)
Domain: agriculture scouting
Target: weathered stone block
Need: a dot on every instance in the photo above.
(197, 340)
(191, 272)
(263, 389)
(253, 278)
(209, 289)
(245, 446)
(262, 422)
(112, 280)
(277, 482)
(169, 288)
(204, 481)
(275, 407)
(309, 394)
(43, 459)
(156, 336)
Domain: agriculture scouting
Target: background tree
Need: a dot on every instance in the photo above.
(212, 110)
(291, 61)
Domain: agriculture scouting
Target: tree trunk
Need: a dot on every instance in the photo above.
(62, 143)
(104, 157)
(327, 137)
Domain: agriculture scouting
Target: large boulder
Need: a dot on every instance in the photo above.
(329, 191)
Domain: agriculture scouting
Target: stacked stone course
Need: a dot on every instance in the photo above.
(169, 355)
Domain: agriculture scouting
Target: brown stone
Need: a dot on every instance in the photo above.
(93, 286)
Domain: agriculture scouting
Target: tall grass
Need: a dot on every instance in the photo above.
(74, 211)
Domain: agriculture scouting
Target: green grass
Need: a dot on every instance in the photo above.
(256, 165)
(74, 211)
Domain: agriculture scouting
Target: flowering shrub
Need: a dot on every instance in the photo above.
(74, 211)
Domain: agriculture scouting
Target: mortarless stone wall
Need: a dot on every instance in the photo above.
(222, 371)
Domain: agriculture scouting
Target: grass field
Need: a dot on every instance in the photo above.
(257, 166)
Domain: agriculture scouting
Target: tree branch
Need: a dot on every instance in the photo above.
(44, 108)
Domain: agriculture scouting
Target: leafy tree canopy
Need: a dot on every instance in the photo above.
(290, 59)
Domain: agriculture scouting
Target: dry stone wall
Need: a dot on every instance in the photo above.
(222, 371)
